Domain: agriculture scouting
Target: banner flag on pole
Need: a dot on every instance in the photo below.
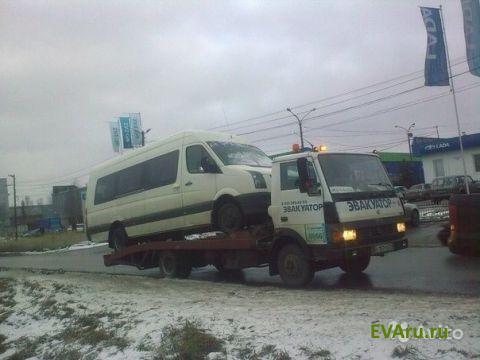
(436, 69)
(126, 132)
(471, 27)
(136, 128)
(115, 135)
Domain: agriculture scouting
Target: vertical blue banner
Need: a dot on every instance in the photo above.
(471, 27)
(126, 132)
(115, 135)
(136, 129)
(436, 70)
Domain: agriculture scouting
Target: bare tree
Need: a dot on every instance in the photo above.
(24, 212)
(28, 201)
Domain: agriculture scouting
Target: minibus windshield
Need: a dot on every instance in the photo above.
(240, 154)
(354, 173)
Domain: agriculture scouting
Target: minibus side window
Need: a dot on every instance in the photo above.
(105, 189)
(161, 170)
(195, 154)
(130, 180)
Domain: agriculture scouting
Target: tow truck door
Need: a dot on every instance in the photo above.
(301, 212)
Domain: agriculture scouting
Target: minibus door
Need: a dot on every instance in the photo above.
(199, 185)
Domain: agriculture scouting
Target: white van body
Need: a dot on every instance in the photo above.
(163, 188)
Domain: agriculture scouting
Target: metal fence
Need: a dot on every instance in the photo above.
(429, 213)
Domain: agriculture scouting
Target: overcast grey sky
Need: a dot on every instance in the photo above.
(68, 67)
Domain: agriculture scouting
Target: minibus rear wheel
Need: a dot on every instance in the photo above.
(119, 238)
(229, 217)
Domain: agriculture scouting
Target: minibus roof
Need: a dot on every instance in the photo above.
(200, 135)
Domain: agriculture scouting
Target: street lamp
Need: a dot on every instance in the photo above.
(408, 131)
(300, 122)
(143, 136)
(15, 204)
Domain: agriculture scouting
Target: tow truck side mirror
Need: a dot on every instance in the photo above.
(304, 182)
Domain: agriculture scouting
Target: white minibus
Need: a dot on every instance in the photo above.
(187, 182)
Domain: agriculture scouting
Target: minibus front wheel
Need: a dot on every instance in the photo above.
(229, 217)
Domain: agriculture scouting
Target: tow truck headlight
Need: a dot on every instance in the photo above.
(258, 180)
(349, 235)
(401, 227)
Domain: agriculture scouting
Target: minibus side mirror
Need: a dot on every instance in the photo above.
(304, 182)
(209, 166)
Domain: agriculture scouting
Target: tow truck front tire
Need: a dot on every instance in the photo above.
(355, 265)
(173, 265)
(294, 266)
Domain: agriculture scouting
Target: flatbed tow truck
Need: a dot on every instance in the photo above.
(327, 210)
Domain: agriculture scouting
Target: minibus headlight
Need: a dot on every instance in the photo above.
(349, 235)
(258, 180)
(401, 227)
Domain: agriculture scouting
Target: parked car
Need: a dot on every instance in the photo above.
(443, 187)
(463, 235)
(33, 233)
(418, 192)
(412, 214)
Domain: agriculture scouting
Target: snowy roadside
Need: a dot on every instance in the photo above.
(78, 246)
(71, 315)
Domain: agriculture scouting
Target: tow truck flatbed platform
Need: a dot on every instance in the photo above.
(145, 255)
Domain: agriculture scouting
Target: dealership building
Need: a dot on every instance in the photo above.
(442, 157)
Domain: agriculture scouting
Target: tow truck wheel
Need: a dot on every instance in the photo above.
(355, 265)
(415, 220)
(229, 217)
(119, 238)
(172, 265)
(294, 266)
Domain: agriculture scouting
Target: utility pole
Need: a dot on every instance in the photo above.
(409, 136)
(452, 90)
(438, 134)
(300, 123)
(15, 205)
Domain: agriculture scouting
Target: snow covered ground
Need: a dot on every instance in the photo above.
(78, 246)
(71, 315)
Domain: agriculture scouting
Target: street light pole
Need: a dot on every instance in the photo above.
(409, 135)
(15, 205)
(300, 123)
(143, 136)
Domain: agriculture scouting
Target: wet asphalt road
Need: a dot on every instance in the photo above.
(424, 267)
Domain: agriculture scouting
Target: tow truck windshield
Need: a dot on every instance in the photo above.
(355, 176)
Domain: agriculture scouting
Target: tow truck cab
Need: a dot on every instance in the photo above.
(331, 209)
